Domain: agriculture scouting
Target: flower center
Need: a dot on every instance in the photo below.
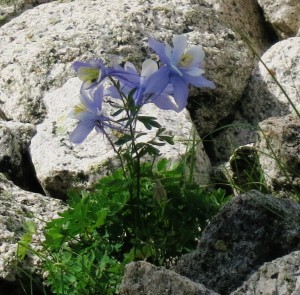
(79, 108)
(88, 75)
(186, 60)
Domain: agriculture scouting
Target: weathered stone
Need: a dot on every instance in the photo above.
(147, 279)
(15, 160)
(11, 8)
(61, 165)
(279, 153)
(16, 208)
(278, 277)
(245, 18)
(38, 47)
(284, 16)
(263, 97)
(251, 229)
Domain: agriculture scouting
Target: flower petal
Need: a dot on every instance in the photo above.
(165, 102)
(193, 71)
(158, 81)
(81, 131)
(180, 45)
(200, 81)
(159, 48)
(198, 56)
(149, 67)
(180, 91)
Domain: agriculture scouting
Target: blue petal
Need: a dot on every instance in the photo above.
(180, 91)
(159, 48)
(158, 81)
(81, 131)
(165, 102)
(200, 81)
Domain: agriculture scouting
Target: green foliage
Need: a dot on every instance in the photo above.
(89, 245)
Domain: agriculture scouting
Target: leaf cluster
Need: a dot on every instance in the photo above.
(89, 245)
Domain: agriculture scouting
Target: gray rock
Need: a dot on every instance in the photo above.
(16, 208)
(284, 16)
(11, 8)
(251, 229)
(144, 278)
(61, 165)
(245, 18)
(279, 155)
(278, 277)
(38, 47)
(263, 97)
(15, 163)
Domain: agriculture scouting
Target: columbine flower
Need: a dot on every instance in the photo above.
(182, 67)
(92, 73)
(89, 114)
(139, 83)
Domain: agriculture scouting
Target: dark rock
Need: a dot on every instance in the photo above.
(251, 229)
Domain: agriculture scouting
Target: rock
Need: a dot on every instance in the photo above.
(279, 153)
(245, 18)
(61, 165)
(11, 8)
(284, 16)
(144, 278)
(16, 208)
(15, 161)
(280, 276)
(38, 47)
(251, 229)
(263, 97)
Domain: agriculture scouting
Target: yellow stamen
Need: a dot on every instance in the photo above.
(186, 60)
(88, 75)
(79, 108)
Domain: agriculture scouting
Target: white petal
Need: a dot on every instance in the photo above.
(180, 45)
(195, 71)
(198, 55)
(149, 67)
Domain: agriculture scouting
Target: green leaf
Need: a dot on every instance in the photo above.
(124, 139)
(148, 122)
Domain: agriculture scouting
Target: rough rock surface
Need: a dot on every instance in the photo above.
(16, 208)
(283, 15)
(38, 47)
(245, 18)
(15, 161)
(60, 165)
(278, 277)
(251, 229)
(147, 279)
(11, 8)
(262, 99)
(279, 153)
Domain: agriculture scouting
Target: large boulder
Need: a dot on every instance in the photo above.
(280, 276)
(245, 18)
(284, 16)
(144, 278)
(17, 207)
(263, 98)
(279, 155)
(251, 229)
(38, 47)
